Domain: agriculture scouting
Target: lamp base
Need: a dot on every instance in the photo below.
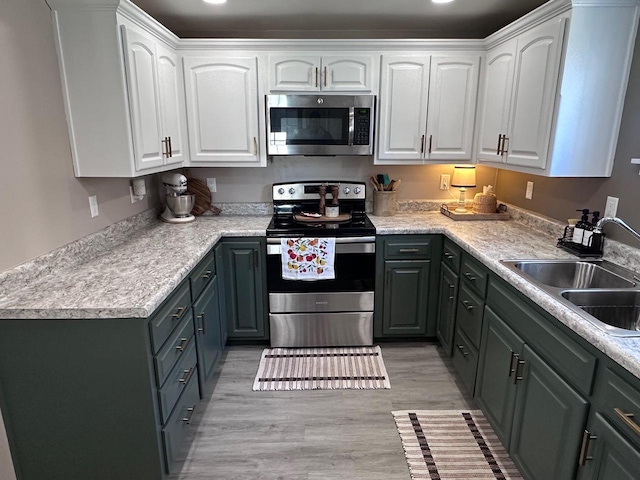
(461, 210)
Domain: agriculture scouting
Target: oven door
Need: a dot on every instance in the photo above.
(314, 125)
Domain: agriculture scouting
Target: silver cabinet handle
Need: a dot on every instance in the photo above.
(179, 313)
(461, 348)
(467, 305)
(206, 275)
(170, 147)
(325, 76)
(316, 76)
(183, 343)
(470, 277)
(448, 255)
(255, 146)
(187, 375)
(201, 328)
(586, 439)
(627, 418)
(514, 356)
(517, 377)
(409, 250)
(190, 411)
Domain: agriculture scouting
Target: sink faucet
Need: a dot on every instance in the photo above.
(616, 220)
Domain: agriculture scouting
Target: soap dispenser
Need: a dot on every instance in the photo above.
(578, 231)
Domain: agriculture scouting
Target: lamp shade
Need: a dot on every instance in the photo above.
(464, 177)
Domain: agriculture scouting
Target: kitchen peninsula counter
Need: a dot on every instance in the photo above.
(133, 276)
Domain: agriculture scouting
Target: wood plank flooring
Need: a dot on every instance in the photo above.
(314, 435)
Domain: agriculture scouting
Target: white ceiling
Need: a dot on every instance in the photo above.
(337, 18)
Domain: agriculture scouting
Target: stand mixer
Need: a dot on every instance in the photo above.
(179, 203)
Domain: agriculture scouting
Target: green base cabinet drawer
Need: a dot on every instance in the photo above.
(619, 402)
(202, 275)
(168, 317)
(407, 248)
(174, 349)
(179, 425)
(451, 255)
(465, 360)
(475, 274)
(469, 314)
(177, 381)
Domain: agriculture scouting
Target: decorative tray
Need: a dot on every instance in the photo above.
(501, 214)
(317, 218)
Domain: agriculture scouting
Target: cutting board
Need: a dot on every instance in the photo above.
(343, 217)
(203, 197)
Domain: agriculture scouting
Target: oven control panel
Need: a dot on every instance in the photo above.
(311, 190)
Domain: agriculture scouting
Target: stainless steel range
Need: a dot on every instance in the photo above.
(335, 312)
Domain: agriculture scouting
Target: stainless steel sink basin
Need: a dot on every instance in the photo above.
(603, 293)
(572, 274)
(616, 308)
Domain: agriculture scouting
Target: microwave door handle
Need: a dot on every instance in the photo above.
(351, 124)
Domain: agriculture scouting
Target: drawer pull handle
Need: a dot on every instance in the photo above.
(470, 277)
(187, 375)
(518, 377)
(586, 439)
(514, 356)
(409, 250)
(461, 348)
(190, 411)
(448, 255)
(201, 328)
(183, 343)
(628, 419)
(206, 275)
(179, 312)
(170, 147)
(467, 305)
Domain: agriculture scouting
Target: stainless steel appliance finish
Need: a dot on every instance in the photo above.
(336, 312)
(317, 125)
(321, 330)
(604, 294)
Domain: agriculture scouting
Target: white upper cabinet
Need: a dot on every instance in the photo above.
(453, 90)
(563, 83)
(222, 109)
(315, 73)
(494, 115)
(427, 108)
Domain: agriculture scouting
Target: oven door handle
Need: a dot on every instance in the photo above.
(343, 245)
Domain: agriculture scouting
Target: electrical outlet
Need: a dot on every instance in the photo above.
(445, 181)
(134, 198)
(611, 208)
(93, 205)
(211, 183)
(529, 193)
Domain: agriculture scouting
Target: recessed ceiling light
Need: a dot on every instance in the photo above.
(218, 2)
(442, 1)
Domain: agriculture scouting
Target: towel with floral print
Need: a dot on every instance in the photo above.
(308, 258)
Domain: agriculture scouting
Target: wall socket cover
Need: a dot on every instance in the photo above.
(211, 184)
(93, 205)
(529, 193)
(611, 208)
(445, 181)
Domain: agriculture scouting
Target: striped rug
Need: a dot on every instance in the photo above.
(452, 445)
(321, 369)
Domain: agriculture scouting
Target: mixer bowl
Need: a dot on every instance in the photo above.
(181, 205)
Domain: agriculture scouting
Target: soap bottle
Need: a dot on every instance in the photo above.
(578, 231)
(588, 230)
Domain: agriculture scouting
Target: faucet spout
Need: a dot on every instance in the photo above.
(617, 221)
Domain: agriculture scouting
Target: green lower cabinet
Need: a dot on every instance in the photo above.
(445, 322)
(495, 389)
(245, 288)
(405, 297)
(607, 454)
(206, 315)
(548, 421)
(222, 305)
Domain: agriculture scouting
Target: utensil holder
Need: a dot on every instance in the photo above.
(384, 203)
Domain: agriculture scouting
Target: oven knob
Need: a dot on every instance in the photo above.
(357, 190)
(292, 191)
(281, 190)
(347, 190)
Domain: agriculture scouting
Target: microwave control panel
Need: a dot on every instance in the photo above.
(362, 122)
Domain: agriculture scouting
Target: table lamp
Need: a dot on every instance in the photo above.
(463, 177)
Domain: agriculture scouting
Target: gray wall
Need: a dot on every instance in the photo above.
(560, 197)
(43, 205)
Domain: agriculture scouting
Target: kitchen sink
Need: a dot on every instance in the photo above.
(601, 292)
(615, 308)
(573, 274)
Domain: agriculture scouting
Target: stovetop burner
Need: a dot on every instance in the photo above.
(290, 199)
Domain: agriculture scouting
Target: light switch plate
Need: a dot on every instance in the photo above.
(445, 181)
(93, 205)
(211, 183)
(611, 208)
(529, 193)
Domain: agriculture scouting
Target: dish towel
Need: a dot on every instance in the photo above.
(308, 258)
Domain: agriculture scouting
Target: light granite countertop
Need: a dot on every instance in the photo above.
(129, 271)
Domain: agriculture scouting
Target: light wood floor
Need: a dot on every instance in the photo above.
(313, 435)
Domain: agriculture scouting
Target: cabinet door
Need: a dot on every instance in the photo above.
(453, 90)
(245, 289)
(404, 88)
(144, 105)
(405, 297)
(347, 73)
(206, 315)
(172, 108)
(222, 107)
(447, 308)
(300, 73)
(500, 349)
(548, 422)
(496, 101)
(534, 94)
(610, 456)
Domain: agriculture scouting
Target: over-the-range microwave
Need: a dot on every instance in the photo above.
(320, 124)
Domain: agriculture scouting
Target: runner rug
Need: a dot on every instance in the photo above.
(321, 369)
(452, 445)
